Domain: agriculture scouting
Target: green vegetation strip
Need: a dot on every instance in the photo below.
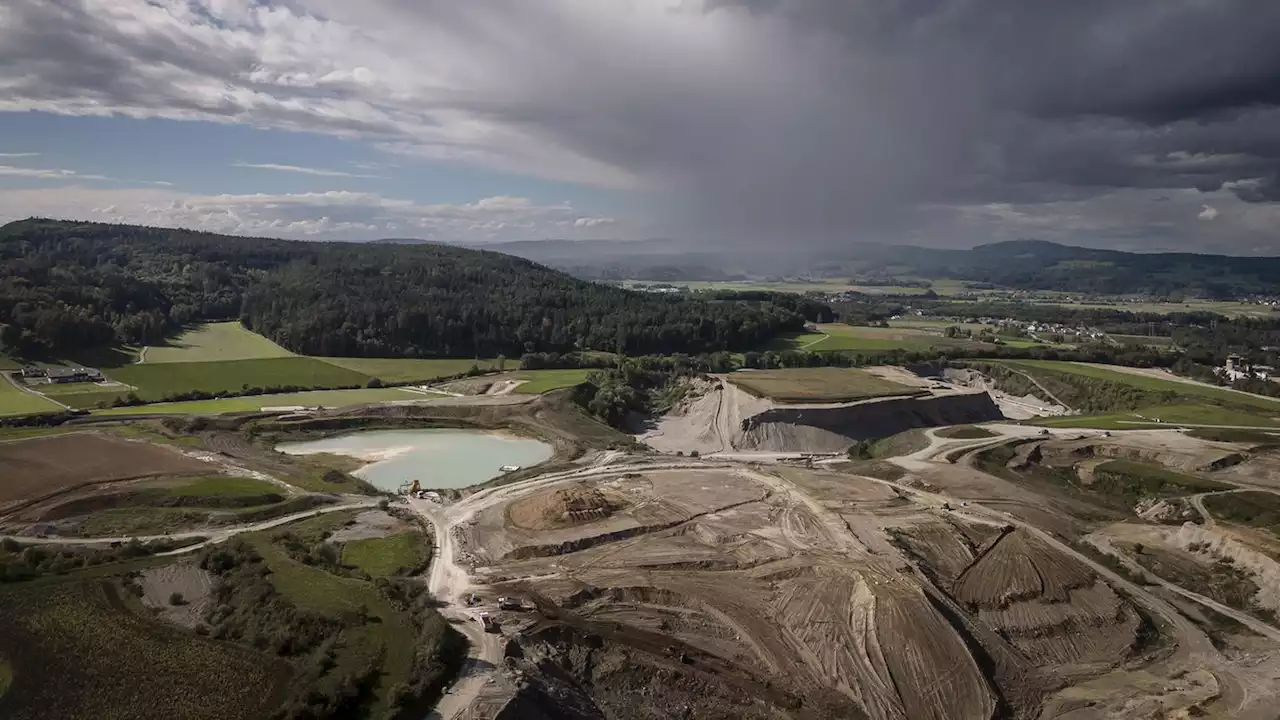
(324, 398)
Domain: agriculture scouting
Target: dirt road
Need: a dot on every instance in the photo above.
(214, 536)
(23, 388)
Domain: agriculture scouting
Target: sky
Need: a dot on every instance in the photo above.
(1139, 125)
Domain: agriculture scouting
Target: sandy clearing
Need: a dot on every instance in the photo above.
(369, 525)
(185, 578)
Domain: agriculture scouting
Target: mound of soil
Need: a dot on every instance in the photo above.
(1048, 605)
(566, 507)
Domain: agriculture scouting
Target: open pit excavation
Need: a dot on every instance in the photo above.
(648, 587)
(722, 417)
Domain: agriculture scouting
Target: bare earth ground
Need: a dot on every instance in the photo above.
(40, 467)
(368, 525)
(658, 586)
(195, 585)
(707, 588)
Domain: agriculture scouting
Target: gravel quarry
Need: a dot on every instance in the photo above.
(1012, 573)
(719, 417)
(706, 587)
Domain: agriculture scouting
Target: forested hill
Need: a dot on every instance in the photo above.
(1018, 264)
(67, 286)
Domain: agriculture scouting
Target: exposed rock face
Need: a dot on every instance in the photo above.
(835, 428)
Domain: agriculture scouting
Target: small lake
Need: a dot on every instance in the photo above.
(437, 458)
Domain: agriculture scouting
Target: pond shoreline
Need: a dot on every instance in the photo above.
(463, 458)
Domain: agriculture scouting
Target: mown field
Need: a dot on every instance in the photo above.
(14, 402)
(818, 385)
(213, 342)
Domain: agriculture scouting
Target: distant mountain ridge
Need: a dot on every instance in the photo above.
(1018, 264)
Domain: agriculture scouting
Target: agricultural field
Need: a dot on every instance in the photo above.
(870, 339)
(45, 465)
(113, 663)
(817, 385)
(537, 382)
(252, 403)
(14, 402)
(1227, 308)
(161, 380)
(794, 286)
(387, 556)
(407, 370)
(213, 342)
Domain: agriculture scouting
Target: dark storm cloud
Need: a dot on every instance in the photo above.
(807, 121)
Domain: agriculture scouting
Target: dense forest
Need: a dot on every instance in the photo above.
(66, 287)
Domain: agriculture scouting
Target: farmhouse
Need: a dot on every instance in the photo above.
(1236, 368)
(71, 375)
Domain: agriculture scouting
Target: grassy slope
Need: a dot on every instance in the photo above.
(1255, 509)
(403, 370)
(15, 402)
(224, 486)
(965, 432)
(543, 381)
(111, 664)
(817, 385)
(156, 381)
(214, 342)
(315, 589)
(326, 398)
(1195, 404)
(1154, 384)
(382, 557)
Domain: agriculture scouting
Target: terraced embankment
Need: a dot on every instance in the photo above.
(833, 428)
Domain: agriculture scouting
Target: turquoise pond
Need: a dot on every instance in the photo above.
(436, 458)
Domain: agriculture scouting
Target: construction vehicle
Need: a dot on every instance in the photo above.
(489, 624)
(510, 603)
